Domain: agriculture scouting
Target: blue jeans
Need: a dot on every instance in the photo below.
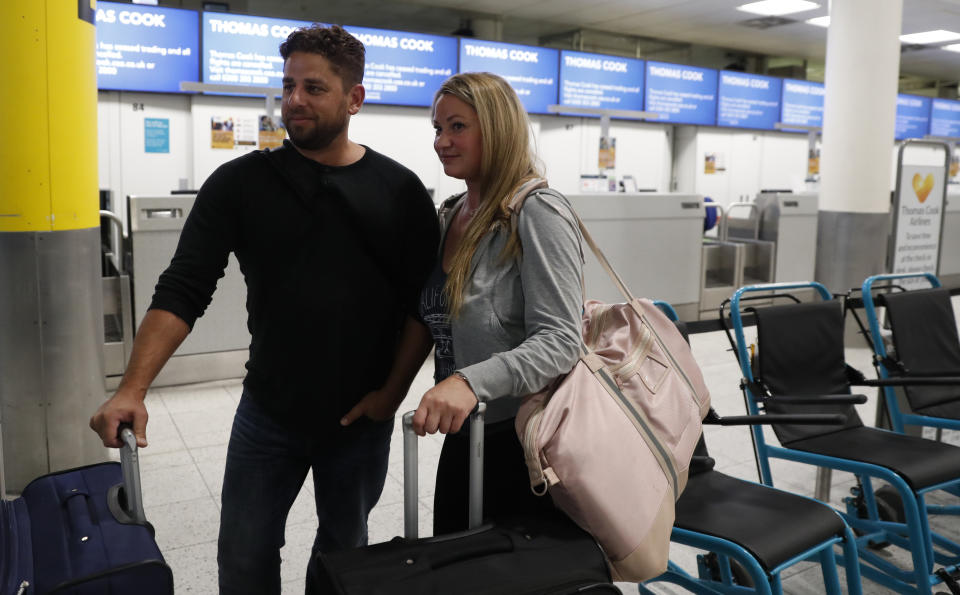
(266, 466)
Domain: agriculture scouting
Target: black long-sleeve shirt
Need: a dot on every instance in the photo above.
(333, 258)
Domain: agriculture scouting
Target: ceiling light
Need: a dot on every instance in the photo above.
(778, 7)
(819, 21)
(937, 36)
(953, 47)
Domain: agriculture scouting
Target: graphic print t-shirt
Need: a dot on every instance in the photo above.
(434, 312)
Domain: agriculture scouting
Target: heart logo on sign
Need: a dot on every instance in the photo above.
(922, 186)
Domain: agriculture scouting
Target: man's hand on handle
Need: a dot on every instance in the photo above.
(123, 407)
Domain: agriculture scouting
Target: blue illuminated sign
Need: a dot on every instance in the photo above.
(748, 100)
(532, 71)
(243, 50)
(681, 94)
(595, 80)
(142, 48)
(945, 118)
(802, 103)
(405, 68)
(913, 117)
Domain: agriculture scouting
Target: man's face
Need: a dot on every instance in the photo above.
(315, 107)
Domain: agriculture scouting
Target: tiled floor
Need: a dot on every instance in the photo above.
(189, 427)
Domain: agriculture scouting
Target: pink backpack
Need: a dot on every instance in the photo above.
(612, 440)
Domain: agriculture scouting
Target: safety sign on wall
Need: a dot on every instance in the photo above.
(156, 135)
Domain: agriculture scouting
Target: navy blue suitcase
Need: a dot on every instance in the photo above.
(82, 532)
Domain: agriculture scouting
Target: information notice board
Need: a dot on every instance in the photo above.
(143, 48)
(596, 80)
(748, 100)
(945, 118)
(913, 117)
(918, 214)
(802, 103)
(244, 50)
(681, 94)
(531, 71)
(405, 68)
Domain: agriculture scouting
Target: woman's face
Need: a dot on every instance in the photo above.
(457, 142)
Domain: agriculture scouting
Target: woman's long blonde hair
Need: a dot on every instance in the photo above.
(507, 161)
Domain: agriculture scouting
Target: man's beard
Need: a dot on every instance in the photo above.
(315, 137)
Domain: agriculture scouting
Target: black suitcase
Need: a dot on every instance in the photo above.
(530, 555)
(82, 532)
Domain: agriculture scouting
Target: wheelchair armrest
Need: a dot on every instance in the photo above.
(819, 400)
(831, 419)
(913, 381)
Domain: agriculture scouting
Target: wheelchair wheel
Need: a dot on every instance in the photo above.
(740, 575)
(889, 504)
(889, 508)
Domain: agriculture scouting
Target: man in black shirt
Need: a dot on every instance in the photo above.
(334, 241)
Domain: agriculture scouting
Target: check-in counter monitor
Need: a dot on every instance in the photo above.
(652, 241)
(217, 348)
(949, 270)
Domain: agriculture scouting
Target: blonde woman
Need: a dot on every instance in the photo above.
(503, 304)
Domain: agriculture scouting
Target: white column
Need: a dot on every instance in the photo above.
(860, 101)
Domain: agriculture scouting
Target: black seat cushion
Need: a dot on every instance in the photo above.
(926, 342)
(921, 462)
(800, 353)
(773, 525)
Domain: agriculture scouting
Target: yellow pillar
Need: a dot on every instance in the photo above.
(51, 302)
(48, 159)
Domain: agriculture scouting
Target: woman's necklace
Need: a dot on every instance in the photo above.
(467, 212)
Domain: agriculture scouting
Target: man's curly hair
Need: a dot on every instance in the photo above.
(344, 51)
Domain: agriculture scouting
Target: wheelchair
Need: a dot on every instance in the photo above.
(799, 366)
(731, 519)
(926, 350)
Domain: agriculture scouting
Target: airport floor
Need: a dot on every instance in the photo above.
(182, 473)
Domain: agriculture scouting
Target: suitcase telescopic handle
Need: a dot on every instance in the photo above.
(410, 484)
(132, 502)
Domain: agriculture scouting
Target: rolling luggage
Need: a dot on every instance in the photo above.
(530, 555)
(82, 532)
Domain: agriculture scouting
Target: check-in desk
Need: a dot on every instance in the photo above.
(652, 241)
(949, 270)
(217, 348)
(790, 222)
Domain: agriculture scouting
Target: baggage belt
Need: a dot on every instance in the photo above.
(530, 555)
(82, 532)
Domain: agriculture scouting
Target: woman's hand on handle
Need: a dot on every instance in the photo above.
(444, 407)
